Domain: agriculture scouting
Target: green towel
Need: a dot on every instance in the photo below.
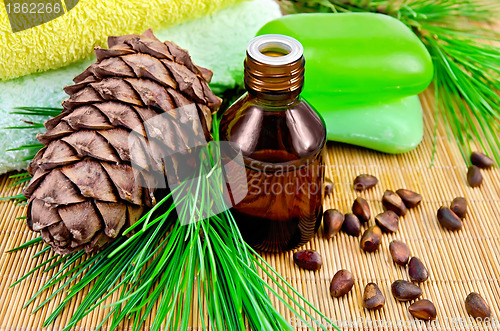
(217, 42)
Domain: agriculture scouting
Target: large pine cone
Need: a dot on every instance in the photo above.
(84, 189)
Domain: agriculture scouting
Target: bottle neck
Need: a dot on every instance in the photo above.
(275, 100)
(274, 69)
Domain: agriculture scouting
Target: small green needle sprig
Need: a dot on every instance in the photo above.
(159, 270)
(163, 269)
(466, 60)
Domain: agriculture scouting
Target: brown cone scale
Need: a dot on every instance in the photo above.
(84, 189)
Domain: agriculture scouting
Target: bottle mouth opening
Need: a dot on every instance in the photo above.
(275, 49)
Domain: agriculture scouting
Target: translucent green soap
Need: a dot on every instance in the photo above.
(363, 74)
(390, 127)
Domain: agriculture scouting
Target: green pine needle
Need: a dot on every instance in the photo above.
(37, 111)
(467, 66)
(30, 125)
(17, 198)
(24, 147)
(26, 244)
(23, 174)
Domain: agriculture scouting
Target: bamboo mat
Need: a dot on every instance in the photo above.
(459, 262)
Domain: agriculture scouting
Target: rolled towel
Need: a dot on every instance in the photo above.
(70, 35)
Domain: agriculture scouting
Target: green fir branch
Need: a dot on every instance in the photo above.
(160, 264)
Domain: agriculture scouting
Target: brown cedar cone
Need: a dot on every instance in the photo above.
(84, 189)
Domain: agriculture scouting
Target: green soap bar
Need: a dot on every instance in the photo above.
(390, 127)
(359, 57)
(363, 72)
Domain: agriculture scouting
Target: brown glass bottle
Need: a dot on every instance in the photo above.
(281, 138)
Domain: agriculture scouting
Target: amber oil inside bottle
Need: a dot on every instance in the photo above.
(281, 138)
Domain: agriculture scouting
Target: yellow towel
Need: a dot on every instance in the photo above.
(73, 35)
